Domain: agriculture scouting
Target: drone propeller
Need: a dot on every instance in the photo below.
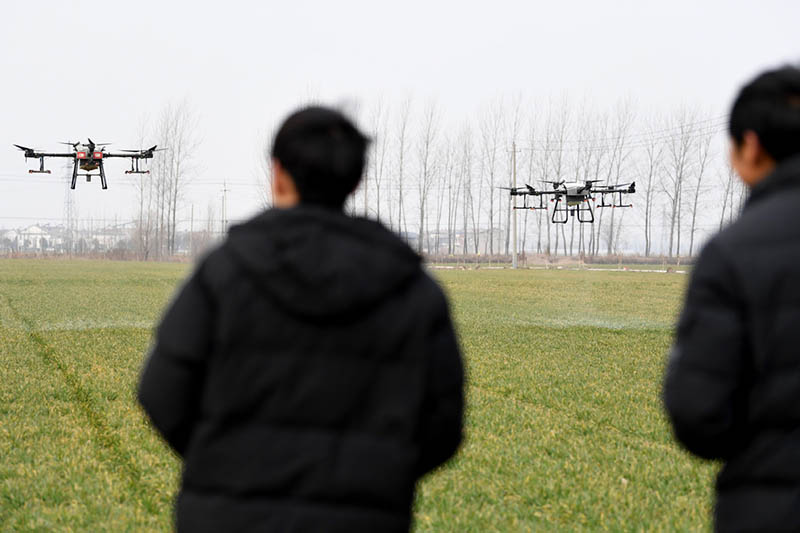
(91, 142)
(555, 184)
(145, 150)
(24, 148)
(625, 187)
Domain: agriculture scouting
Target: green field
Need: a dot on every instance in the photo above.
(564, 427)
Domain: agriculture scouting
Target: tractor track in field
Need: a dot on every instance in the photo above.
(108, 441)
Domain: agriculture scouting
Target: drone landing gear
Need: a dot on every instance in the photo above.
(615, 202)
(103, 176)
(135, 168)
(88, 177)
(74, 174)
(531, 207)
(557, 218)
(41, 170)
(582, 210)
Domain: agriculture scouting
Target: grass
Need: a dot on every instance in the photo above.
(564, 425)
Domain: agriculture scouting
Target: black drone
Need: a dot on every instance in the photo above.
(579, 197)
(89, 157)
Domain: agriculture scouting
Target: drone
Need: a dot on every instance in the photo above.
(89, 157)
(579, 198)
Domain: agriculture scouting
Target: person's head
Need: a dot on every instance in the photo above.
(318, 158)
(765, 123)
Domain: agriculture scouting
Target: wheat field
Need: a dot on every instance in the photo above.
(564, 427)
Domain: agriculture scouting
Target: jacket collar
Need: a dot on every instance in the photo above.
(786, 175)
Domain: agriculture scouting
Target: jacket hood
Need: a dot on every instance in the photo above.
(316, 262)
(786, 175)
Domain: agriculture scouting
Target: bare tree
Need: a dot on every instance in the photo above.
(703, 148)
(734, 198)
(728, 181)
(653, 166)
(426, 150)
(490, 129)
(352, 109)
(145, 196)
(378, 150)
(600, 152)
(678, 150)
(447, 157)
(402, 142)
(530, 154)
(455, 191)
(512, 136)
(177, 131)
(465, 167)
(542, 150)
(621, 151)
(558, 126)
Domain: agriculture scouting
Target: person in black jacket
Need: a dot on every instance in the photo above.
(307, 372)
(732, 386)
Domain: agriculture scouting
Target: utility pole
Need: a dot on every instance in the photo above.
(224, 207)
(513, 210)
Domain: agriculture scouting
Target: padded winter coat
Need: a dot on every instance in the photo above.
(308, 374)
(732, 387)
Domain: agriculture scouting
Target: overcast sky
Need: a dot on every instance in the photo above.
(73, 69)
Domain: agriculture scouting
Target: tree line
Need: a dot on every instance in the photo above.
(438, 183)
(436, 180)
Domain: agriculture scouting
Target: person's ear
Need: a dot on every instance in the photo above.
(752, 152)
(275, 170)
(284, 191)
(750, 160)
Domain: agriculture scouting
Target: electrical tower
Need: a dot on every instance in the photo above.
(70, 214)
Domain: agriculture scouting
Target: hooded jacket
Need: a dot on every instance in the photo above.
(309, 374)
(732, 387)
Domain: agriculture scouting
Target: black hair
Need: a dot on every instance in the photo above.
(770, 106)
(323, 152)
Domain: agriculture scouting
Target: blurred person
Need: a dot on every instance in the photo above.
(307, 372)
(732, 384)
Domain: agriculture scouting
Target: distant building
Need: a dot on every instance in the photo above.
(9, 241)
(34, 239)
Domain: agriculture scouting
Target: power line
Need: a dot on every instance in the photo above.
(17, 178)
(549, 145)
(720, 120)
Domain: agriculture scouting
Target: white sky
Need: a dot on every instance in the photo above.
(74, 69)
